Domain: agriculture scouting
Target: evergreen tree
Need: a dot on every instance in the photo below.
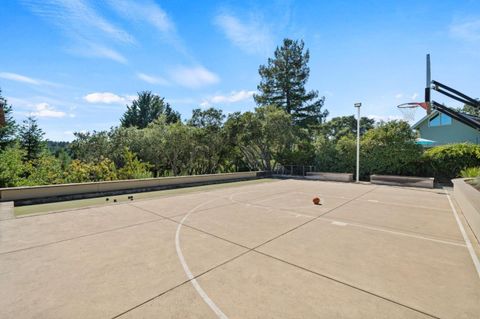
(283, 82)
(470, 110)
(147, 108)
(31, 138)
(8, 128)
(209, 118)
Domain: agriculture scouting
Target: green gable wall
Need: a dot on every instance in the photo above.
(457, 132)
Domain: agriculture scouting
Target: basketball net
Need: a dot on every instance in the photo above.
(409, 110)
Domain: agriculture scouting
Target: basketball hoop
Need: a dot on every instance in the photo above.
(409, 109)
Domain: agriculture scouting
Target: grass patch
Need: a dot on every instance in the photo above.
(100, 201)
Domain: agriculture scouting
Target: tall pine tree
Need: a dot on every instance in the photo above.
(31, 138)
(147, 108)
(283, 82)
(7, 129)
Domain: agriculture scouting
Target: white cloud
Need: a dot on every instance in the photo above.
(145, 12)
(413, 97)
(45, 110)
(19, 78)
(25, 79)
(385, 118)
(97, 50)
(152, 79)
(105, 98)
(466, 30)
(194, 77)
(233, 97)
(184, 100)
(252, 37)
(149, 12)
(89, 32)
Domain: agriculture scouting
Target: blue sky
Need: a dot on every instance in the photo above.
(75, 64)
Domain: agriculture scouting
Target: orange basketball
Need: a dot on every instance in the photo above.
(316, 201)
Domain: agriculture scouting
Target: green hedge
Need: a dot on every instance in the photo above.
(447, 161)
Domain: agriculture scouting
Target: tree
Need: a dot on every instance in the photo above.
(80, 172)
(147, 108)
(209, 118)
(341, 126)
(208, 138)
(44, 170)
(31, 138)
(133, 167)
(12, 168)
(283, 82)
(89, 147)
(263, 136)
(390, 148)
(7, 131)
(178, 147)
(470, 110)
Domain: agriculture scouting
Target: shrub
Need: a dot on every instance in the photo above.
(44, 170)
(447, 161)
(470, 172)
(133, 168)
(390, 148)
(12, 168)
(80, 172)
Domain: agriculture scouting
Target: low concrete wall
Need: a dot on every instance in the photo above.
(50, 193)
(336, 177)
(412, 181)
(468, 198)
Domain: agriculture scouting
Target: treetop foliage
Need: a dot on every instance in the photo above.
(31, 138)
(341, 126)
(283, 82)
(209, 118)
(146, 108)
(7, 131)
(470, 110)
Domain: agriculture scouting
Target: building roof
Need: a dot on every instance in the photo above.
(467, 119)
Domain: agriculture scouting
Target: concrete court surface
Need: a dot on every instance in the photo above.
(253, 251)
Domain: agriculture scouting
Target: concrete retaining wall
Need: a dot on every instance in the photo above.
(412, 181)
(50, 193)
(468, 198)
(336, 177)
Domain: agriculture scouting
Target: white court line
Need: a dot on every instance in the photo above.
(338, 223)
(189, 274)
(475, 260)
(268, 208)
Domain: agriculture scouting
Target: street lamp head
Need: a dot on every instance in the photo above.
(357, 104)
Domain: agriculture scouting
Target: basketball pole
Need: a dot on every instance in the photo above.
(358, 105)
(428, 83)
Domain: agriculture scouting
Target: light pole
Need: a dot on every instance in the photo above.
(358, 105)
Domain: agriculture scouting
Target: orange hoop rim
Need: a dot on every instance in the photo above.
(411, 105)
